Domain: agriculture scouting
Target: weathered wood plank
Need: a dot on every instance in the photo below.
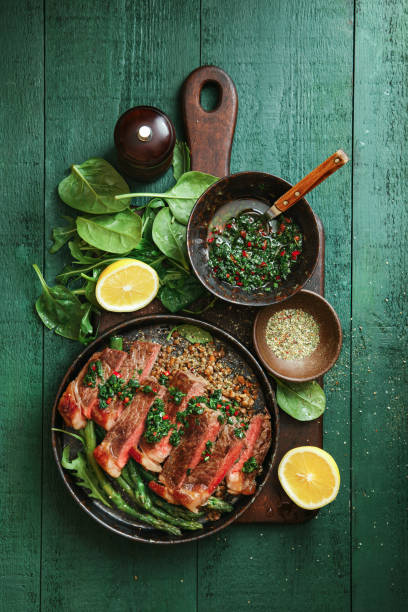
(380, 263)
(21, 194)
(102, 58)
(292, 64)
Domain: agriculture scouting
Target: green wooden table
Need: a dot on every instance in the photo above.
(312, 76)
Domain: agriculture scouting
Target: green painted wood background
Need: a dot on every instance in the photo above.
(311, 75)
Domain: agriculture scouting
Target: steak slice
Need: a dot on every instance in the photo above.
(113, 452)
(151, 456)
(235, 477)
(260, 449)
(198, 431)
(205, 478)
(79, 399)
(138, 364)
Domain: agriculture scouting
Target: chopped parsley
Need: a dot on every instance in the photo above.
(243, 254)
(250, 466)
(158, 423)
(176, 395)
(116, 388)
(206, 454)
(94, 371)
(163, 380)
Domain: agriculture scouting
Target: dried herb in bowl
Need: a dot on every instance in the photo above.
(292, 334)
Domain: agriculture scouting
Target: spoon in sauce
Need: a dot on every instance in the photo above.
(267, 215)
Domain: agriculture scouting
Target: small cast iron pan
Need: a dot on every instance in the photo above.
(210, 136)
(156, 328)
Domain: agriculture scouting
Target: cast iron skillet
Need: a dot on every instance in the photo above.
(210, 136)
(118, 522)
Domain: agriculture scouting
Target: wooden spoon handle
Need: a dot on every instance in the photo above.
(311, 180)
(210, 134)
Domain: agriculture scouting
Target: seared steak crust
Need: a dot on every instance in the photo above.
(152, 455)
(204, 479)
(78, 400)
(113, 452)
(142, 356)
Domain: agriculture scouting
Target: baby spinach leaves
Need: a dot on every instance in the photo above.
(179, 293)
(170, 237)
(61, 311)
(91, 187)
(193, 333)
(181, 159)
(108, 229)
(118, 233)
(185, 193)
(61, 235)
(302, 401)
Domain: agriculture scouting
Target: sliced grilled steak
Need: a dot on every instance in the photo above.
(78, 400)
(138, 364)
(151, 456)
(260, 449)
(201, 429)
(235, 477)
(113, 452)
(205, 478)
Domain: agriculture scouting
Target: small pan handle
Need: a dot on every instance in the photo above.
(310, 181)
(210, 134)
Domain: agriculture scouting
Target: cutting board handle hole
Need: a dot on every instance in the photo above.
(210, 96)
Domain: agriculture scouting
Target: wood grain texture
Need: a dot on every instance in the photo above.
(380, 340)
(21, 195)
(102, 58)
(292, 65)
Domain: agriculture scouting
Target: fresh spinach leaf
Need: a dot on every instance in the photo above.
(176, 295)
(181, 159)
(61, 235)
(79, 252)
(149, 215)
(170, 237)
(61, 311)
(194, 334)
(86, 331)
(70, 274)
(185, 193)
(118, 233)
(302, 401)
(91, 187)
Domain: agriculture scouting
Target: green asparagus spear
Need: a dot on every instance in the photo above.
(116, 342)
(143, 497)
(177, 511)
(113, 495)
(215, 503)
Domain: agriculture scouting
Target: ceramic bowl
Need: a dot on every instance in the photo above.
(323, 357)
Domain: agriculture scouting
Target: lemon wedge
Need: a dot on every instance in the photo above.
(126, 285)
(309, 476)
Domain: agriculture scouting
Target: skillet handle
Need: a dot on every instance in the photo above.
(210, 134)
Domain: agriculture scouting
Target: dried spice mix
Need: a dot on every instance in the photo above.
(292, 334)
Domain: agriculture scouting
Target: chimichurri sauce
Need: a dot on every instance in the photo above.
(244, 255)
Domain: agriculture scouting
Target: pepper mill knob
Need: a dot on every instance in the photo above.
(144, 139)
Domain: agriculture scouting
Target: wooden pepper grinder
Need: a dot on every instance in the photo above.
(144, 139)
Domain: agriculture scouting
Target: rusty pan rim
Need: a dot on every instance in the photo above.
(270, 405)
(190, 249)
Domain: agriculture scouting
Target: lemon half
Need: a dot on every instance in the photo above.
(126, 285)
(309, 476)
